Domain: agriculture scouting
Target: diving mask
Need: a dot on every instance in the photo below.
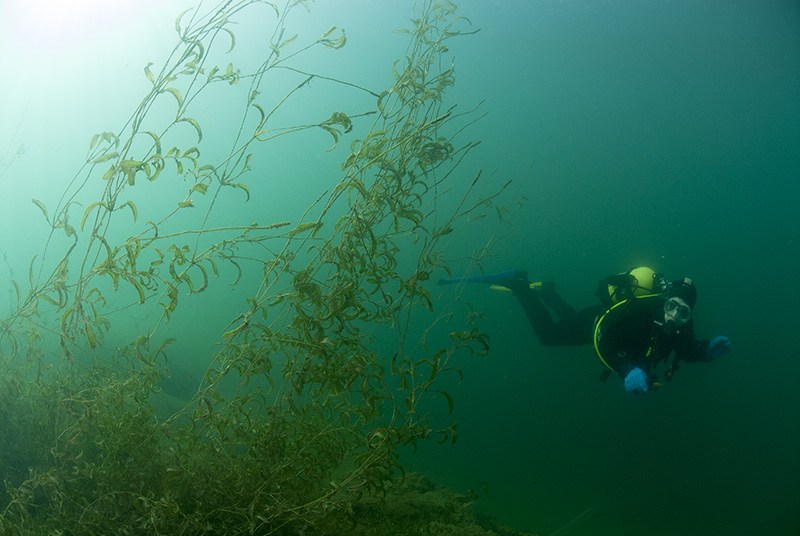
(676, 310)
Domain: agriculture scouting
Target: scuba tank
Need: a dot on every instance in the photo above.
(636, 282)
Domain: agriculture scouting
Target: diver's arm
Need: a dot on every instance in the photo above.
(689, 348)
(707, 351)
(694, 351)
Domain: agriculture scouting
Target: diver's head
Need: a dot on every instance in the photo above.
(681, 297)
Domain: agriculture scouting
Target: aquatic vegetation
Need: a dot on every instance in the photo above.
(416, 505)
(298, 417)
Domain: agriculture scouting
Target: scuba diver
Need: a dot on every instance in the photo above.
(643, 321)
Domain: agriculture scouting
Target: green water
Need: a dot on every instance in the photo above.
(663, 133)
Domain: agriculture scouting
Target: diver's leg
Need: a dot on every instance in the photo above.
(538, 316)
(549, 296)
(578, 329)
(572, 329)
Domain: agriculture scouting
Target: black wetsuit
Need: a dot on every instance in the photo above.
(573, 328)
(631, 335)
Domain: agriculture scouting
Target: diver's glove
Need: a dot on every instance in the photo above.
(718, 347)
(636, 381)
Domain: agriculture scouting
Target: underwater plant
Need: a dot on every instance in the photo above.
(304, 406)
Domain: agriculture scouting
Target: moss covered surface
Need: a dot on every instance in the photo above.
(415, 505)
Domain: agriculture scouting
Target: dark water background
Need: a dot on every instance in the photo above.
(664, 133)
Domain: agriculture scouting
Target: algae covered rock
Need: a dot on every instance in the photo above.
(415, 505)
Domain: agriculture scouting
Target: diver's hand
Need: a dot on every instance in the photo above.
(718, 347)
(636, 381)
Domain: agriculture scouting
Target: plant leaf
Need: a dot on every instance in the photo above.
(133, 208)
(273, 6)
(41, 207)
(304, 227)
(196, 126)
(137, 286)
(242, 187)
(178, 20)
(200, 187)
(288, 41)
(177, 94)
(233, 38)
(105, 158)
(156, 140)
(449, 400)
(110, 173)
(89, 209)
(18, 291)
(263, 115)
